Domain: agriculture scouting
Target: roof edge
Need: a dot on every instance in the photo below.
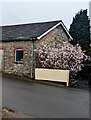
(66, 30)
(60, 23)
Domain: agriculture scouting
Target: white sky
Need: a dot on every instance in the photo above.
(27, 12)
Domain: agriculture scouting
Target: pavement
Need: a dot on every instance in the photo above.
(43, 101)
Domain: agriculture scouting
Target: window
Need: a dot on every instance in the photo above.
(19, 56)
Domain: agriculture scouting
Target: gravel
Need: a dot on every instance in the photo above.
(6, 113)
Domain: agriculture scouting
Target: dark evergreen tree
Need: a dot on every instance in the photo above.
(80, 30)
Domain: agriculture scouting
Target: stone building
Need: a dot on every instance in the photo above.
(20, 43)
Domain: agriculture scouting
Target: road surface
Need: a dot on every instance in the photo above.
(43, 101)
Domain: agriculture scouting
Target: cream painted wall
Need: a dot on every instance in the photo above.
(52, 75)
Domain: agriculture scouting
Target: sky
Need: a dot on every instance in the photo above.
(90, 11)
(30, 12)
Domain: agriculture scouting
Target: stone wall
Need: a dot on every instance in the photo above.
(30, 48)
(9, 64)
(1, 46)
(56, 36)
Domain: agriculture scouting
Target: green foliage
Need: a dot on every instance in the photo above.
(89, 53)
(80, 30)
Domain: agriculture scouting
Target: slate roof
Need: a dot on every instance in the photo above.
(26, 31)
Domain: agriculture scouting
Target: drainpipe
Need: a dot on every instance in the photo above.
(33, 59)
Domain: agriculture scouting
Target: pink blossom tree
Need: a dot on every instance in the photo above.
(62, 56)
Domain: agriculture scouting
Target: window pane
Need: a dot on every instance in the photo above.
(19, 55)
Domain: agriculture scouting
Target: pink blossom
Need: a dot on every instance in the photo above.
(62, 56)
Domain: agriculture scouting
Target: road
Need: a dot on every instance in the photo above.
(43, 101)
